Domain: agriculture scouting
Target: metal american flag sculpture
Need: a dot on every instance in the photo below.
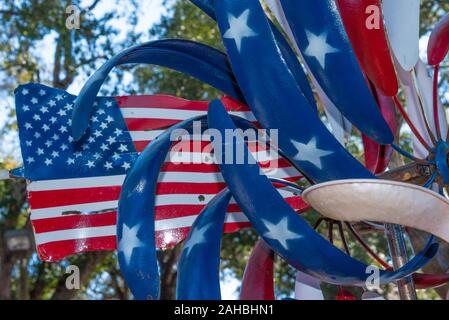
(106, 173)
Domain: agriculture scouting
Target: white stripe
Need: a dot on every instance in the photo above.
(114, 181)
(173, 114)
(71, 234)
(85, 208)
(77, 183)
(181, 222)
(161, 200)
(145, 135)
(93, 232)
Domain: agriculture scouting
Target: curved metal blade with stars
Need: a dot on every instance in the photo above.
(271, 93)
(334, 64)
(195, 59)
(283, 230)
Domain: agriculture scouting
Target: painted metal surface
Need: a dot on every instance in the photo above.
(283, 230)
(258, 281)
(402, 25)
(377, 156)
(195, 59)
(199, 264)
(307, 287)
(271, 92)
(334, 64)
(286, 52)
(381, 200)
(340, 126)
(439, 42)
(136, 247)
(365, 28)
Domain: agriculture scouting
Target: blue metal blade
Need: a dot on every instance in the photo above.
(322, 39)
(280, 226)
(287, 52)
(271, 92)
(199, 265)
(198, 60)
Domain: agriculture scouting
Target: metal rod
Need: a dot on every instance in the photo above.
(398, 252)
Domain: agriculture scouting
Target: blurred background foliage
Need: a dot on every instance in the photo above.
(76, 54)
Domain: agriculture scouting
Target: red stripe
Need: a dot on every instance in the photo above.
(75, 221)
(161, 102)
(140, 124)
(208, 168)
(58, 250)
(55, 251)
(57, 198)
(170, 102)
(161, 213)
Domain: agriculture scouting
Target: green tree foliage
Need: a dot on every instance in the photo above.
(29, 26)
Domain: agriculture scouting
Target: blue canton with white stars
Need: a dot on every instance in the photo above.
(48, 149)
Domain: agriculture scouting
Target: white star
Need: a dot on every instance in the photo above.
(116, 156)
(196, 237)
(70, 161)
(108, 104)
(78, 154)
(52, 103)
(40, 151)
(64, 147)
(318, 47)
(109, 119)
(55, 154)
(280, 232)
(29, 143)
(100, 111)
(111, 140)
(30, 159)
(63, 129)
(118, 132)
(62, 113)
(26, 108)
(108, 165)
(68, 106)
(97, 133)
(37, 117)
(28, 126)
(91, 140)
(53, 119)
(97, 156)
(85, 147)
(48, 162)
(104, 147)
(123, 148)
(239, 29)
(25, 92)
(126, 166)
(94, 119)
(42, 92)
(55, 137)
(45, 128)
(104, 125)
(310, 152)
(48, 143)
(90, 164)
(129, 241)
(34, 101)
(59, 97)
(37, 135)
